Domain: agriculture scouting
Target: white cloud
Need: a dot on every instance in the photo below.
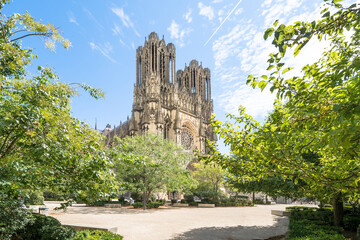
(174, 30)
(105, 49)
(187, 16)
(206, 11)
(122, 42)
(279, 10)
(93, 18)
(243, 51)
(217, 1)
(239, 11)
(258, 104)
(177, 33)
(125, 19)
(116, 30)
(72, 18)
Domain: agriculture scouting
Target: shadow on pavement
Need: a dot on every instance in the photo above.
(102, 210)
(238, 232)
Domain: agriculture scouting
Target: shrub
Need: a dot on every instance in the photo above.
(138, 204)
(358, 232)
(189, 198)
(351, 222)
(50, 196)
(96, 235)
(33, 198)
(149, 205)
(313, 230)
(174, 200)
(101, 203)
(13, 217)
(258, 201)
(45, 228)
(233, 202)
(121, 200)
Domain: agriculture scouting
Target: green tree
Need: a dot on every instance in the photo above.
(41, 145)
(149, 164)
(316, 113)
(209, 178)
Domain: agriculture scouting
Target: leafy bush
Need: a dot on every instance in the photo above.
(121, 200)
(12, 217)
(96, 235)
(241, 196)
(154, 204)
(149, 205)
(351, 222)
(51, 196)
(358, 232)
(138, 204)
(33, 198)
(312, 223)
(189, 198)
(323, 215)
(45, 228)
(258, 201)
(174, 200)
(101, 203)
(233, 202)
(312, 229)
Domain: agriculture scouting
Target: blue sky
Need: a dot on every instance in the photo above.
(225, 35)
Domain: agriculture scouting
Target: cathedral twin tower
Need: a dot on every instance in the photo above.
(175, 105)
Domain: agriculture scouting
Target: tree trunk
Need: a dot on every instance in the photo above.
(253, 197)
(338, 210)
(144, 200)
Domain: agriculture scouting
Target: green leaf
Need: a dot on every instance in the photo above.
(327, 14)
(276, 22)
(286, 70)
(270, 67)
(268, 32)
(262, 84)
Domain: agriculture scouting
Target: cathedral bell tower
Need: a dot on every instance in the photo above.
(174, 105)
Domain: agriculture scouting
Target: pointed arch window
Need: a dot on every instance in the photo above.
(139, 71)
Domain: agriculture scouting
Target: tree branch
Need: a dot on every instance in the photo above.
(32, 34)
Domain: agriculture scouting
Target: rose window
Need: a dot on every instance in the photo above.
(186, 138)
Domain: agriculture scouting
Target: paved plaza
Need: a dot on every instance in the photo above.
(225, 223)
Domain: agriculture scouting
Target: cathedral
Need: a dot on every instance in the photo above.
(174, 104)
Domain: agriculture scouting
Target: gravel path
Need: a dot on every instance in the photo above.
(230, 223)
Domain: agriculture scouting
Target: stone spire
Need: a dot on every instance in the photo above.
(133, 125)
(120, 129)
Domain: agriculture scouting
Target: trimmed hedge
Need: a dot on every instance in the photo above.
(96, 235)
(102, 203)
(313, 224)
(149, 205)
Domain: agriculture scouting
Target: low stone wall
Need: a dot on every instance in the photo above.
(88, 227)
(112, 205)
(180, 205)
(206, 205)
(281, 213)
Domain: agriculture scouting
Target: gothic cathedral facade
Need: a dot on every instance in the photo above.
(175, 105)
